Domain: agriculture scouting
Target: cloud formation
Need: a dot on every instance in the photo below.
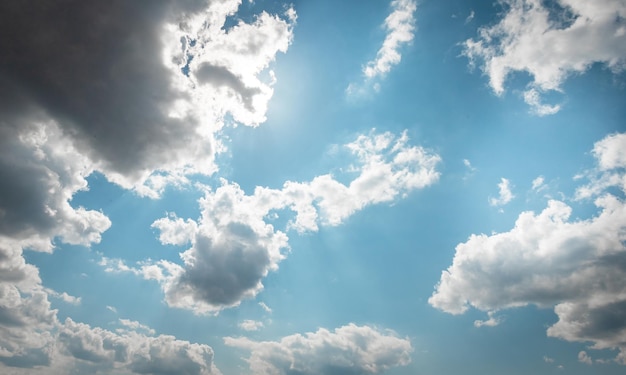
(350, 349)
(550, 41)
(400, 25)
(400, 28)
(233, 243)
(141, 94)
(576, 266)
(135, 91)
(504, 193)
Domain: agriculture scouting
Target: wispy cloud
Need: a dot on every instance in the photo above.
(504, 195)
(400, 27)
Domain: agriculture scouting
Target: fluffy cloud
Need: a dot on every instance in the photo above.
(99, 349)
(41, 171)
(550, 41)
(136, 91)
(576, 266)
(349, 349)
(233, 245)
(139, 95)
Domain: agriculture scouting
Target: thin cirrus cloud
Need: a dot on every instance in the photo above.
(586, 32)
(548, 260)
(350, 349)
(233, 247)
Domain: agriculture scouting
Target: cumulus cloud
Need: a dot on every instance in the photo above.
(578, 267)
(505, 194)
(350, 349)
(96, 349)
(550, 41)
(233, 247)
(135, 91)
(251, 325)
(141, 94)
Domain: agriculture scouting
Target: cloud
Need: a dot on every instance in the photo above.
(524, 40)
(135, 326)
(611, 161)
(575, 266)
(96, 349)
(139, 96)
(32, 337)
(505, 194)
(400, 27)
(538, 183)
(233, 247)
(63, 296)
(40, 171)
(583, 357)
(136, 91)
(533, 98)
(250, 325)
(349, 349)
(491, 322)
(265, 307)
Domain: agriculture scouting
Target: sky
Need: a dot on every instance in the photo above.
(313, 187)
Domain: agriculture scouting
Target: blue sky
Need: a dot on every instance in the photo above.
(313, 187)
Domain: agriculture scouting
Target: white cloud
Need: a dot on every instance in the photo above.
(611, 152)
(538, 183)
(63, 296)
(96, 349)
(611, 161)
(265, 307)
(400, 27)
(233, 247)
(491, 322)
(250, 325)
(583, 357)
(349, 349)
(547, 359)
(575, 266)
(550, 42)
(505, 194)
(135, 326)
(533, 98)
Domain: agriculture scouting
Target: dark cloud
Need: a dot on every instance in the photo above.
(97, 68)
